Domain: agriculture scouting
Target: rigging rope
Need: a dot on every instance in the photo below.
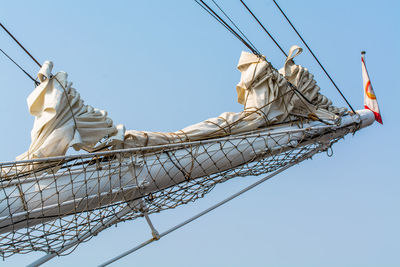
(36, 82)
(312, 53)
(204, 212)
(20, 45)
(226, 25)
(214, 17)
(234, 24)
(262, 26)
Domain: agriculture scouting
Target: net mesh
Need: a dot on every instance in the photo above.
(47, 204)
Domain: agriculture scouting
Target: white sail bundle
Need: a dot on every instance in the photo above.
(268, 96)
(47, 203)
(62, 120)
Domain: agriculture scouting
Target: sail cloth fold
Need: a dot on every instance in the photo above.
(268, 96)
(304, 81)
(62, 120)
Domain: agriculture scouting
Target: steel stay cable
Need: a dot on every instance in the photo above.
(170, 231)
(306, 156)
(211, 14)
(262, 26)
(234, 24)
(312, 53)
(24, 71)
(26, 51)
(223, 22)
(20, 45)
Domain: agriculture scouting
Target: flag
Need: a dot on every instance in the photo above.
(370, 101)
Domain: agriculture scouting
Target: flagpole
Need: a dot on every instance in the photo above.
(363, 53)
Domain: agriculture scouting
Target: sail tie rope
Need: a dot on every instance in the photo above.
(69, 102)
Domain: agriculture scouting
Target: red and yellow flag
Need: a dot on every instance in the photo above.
(370, 101)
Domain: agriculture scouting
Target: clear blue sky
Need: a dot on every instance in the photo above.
(163, 65)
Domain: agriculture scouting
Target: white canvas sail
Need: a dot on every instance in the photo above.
(269, 97)
(62, 120)
(285, 121)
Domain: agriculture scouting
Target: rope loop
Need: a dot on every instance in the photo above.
(329, 151)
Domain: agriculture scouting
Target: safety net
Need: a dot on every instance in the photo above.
(47, 204)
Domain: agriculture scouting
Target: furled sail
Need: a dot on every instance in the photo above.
(304, 81)
(62, 120)
(53, 204)
(268, 96)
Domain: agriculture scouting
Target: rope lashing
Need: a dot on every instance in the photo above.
(69, 102)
